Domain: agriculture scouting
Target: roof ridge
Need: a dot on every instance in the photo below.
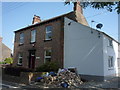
(45, 20)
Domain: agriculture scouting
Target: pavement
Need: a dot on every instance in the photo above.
(10, 85)
(113, 83)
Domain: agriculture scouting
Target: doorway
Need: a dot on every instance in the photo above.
(31, 63)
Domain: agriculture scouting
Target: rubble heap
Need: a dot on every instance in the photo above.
(63, 78)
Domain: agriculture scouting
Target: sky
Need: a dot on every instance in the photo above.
(16, 15)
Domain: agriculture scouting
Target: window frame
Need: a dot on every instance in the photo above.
(33, 36)
(47, 57)
(48, 32)
(21, 38)
(20, 56)
(110, 62)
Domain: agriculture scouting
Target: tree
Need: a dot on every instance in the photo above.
(110, 6)
(8, 60)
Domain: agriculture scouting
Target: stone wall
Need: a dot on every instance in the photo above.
(25, 77)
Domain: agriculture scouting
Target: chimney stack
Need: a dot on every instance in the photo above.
(36, 19)
(77, 7)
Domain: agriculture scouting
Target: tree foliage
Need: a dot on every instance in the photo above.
(110, 6)
(8, 60)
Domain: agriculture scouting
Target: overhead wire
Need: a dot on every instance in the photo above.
(15, 7)
(97, 14)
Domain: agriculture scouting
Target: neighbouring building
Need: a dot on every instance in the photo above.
(5, 51)
(68, 40)
(0, 48)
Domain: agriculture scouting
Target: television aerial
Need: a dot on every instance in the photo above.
(99, 26)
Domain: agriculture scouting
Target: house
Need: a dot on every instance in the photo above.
(69, 40)
(43, 40)
(92, 52)
(6, 52)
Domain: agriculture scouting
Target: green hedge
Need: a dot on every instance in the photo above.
(48, 66)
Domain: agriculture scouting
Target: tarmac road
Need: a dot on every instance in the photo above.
(114, 83)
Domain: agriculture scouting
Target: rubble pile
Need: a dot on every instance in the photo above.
(64, 78)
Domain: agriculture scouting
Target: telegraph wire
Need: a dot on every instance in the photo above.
(19, 4)
(97, 14)
(16, 6)
(11, 4)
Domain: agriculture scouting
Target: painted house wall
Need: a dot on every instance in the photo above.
(6, 52)
(83, 49)
(110, 51)
(119, 59)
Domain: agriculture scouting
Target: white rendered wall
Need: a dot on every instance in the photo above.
(83, 49)
(110, 51)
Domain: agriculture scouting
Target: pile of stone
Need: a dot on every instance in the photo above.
(64, 78)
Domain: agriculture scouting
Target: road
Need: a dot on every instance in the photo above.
(114, 83)
(6, 85)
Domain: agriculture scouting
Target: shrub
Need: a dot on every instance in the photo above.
(15, 71)
(48, 67)
(2, 62)
(8, 60)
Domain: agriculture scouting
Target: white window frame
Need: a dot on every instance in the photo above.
(48, 32)
(47, 56)
(33, 36)
(20, 56)
(110, 62)
(21, 38)
(110, 42)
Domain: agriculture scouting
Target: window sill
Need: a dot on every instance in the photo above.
(47, 40)
(110, 46)
(19, 64)
(21, 44)
(111, 68)
(32, 42)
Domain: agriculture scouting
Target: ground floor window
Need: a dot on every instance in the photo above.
(110, 61)
(20, 58)
(47, 56)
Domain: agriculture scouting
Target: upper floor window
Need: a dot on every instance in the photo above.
(110, 43)
(33, 36)
(110, 61)
(47, 55)
(20, 58)
(48, 35)
(21, 38)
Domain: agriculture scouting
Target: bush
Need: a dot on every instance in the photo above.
(8, 60)
(15, 71)
(2, 62)
(48, 67)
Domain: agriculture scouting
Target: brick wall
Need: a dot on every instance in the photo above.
(40, 45)
(56, 44)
